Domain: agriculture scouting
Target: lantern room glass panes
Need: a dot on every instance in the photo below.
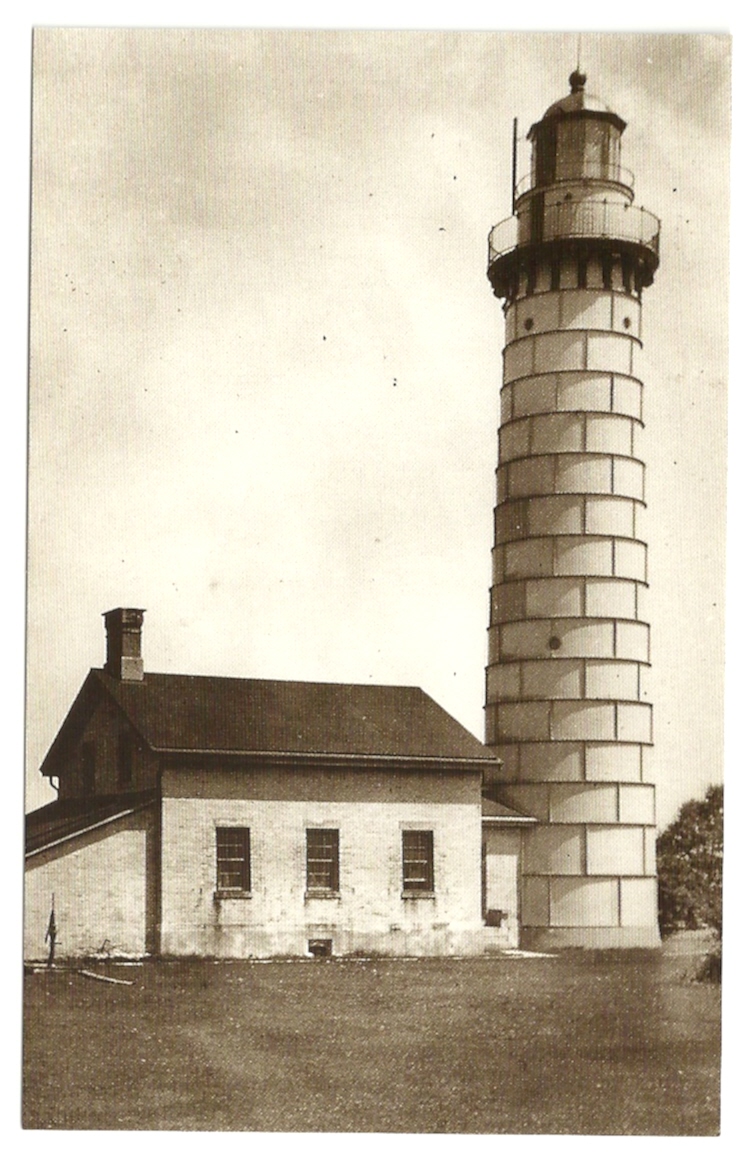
(589, 148)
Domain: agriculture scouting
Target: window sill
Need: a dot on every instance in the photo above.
(223, 894)
(418, 893)
(321, 892)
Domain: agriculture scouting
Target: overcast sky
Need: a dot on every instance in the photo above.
(265, 358)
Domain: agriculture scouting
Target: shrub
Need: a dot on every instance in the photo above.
(709, 970)
(690, 865)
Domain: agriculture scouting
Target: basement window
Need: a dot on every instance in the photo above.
(322, 862)
(233, 861)
(417, 862)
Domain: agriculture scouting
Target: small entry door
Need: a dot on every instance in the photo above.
(500, 885)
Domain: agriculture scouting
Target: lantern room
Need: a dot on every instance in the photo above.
(578, 138)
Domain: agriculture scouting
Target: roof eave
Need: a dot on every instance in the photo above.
(335, 758)
(509, 821)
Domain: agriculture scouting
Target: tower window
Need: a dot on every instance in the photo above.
(417, 861)
(627, 323)
(554, 643)
(529, 324)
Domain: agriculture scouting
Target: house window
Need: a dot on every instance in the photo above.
(322, 861)
(233, 860)
(88, 768)
(125, 761)
(417, 861)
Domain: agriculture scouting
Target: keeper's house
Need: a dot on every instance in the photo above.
(237, 818)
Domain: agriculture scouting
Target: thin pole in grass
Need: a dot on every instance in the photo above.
(51, 935)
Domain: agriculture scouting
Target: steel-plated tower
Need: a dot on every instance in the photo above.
(569, 644)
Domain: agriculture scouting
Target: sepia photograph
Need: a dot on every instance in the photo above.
(376, 541)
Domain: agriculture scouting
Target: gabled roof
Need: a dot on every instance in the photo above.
(226, 715)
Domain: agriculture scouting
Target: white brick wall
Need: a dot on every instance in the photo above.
(370, 913)
(101, 889)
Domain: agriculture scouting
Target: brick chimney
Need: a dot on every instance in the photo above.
(123, 628)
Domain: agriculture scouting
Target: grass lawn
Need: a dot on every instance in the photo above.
(615, 1043)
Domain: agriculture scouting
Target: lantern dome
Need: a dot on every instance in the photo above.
(580, 101)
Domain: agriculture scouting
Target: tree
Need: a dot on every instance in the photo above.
(690, 865)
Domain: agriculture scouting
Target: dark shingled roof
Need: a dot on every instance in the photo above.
(494, 810)
(58, 819)
(228, 715)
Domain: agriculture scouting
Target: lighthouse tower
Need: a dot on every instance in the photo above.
(569, 647)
